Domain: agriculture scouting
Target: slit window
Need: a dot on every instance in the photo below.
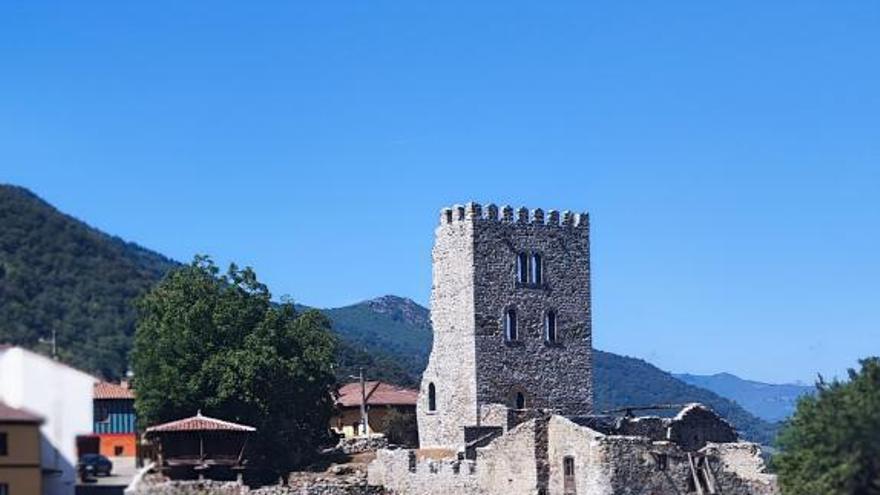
(536, 270)
(662, 461)
(520, 400)
(432, 397)
(522, 268)
(550, 326)
(510, 330)
(568, 484)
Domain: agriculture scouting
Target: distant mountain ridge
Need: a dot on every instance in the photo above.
(57, 272)
(400, 328)
(770, 402)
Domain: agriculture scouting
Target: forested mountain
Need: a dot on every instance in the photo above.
(58, 273)
(621, 381)
(392, 329)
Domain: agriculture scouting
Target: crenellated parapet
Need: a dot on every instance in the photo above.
(506, 214)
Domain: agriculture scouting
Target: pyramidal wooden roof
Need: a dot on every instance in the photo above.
(199, 423)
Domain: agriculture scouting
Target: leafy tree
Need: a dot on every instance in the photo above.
(400, 428)
(832, 443)
(214, 342)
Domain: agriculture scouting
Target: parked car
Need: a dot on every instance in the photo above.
(97, 464)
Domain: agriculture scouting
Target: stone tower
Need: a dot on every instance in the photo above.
(510, 307)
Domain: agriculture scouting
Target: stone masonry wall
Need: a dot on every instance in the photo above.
(471, 363)
(508, 465)
(591, 474)
(451, 367)
(231, 488)
(695, 425)
(555, 376)
(530, 459)
(606, 465)
(403, 472)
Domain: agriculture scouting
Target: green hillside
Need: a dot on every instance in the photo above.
(401, 327)
(387, 326)
(58, 273)
(621, 381)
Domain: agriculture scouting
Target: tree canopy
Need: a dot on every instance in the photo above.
(212, 342)
(832, 443)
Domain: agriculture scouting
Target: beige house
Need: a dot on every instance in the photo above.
(381, 399)
(20, 471)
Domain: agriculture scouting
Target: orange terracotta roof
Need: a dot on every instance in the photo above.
(105, 390)
(9, 414)
(378, 394)
(199, 423)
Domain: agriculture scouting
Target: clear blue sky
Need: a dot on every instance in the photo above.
(729, 152)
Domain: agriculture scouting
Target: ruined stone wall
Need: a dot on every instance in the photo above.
(451, 367)
(231, 488)
(508, 464)
(742, 467)
(405, 472)
(496, 415)
(652, 427)
(530, 459)
(695, 425)
(606, 465)
(634, 462)
(556, 375)
(591, 473)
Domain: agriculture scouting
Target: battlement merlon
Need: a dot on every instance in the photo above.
(475, 212)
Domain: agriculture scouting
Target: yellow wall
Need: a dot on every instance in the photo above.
(345, 421)
(26, 481)
(23, 442)
(20, 468)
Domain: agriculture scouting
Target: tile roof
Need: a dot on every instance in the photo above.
(105, 390)
(9, 414)
(199, 423)
(378, 394)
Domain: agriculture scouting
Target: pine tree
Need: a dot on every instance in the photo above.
(832, 443)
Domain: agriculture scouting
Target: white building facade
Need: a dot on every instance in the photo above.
(60, 394)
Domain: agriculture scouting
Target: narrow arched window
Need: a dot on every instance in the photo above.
(537, 269)
(432, 397)
(550, 326)
(522, 268)
(520, 400)
(568, 483)
(510, 331)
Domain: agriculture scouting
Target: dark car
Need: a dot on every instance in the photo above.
(96, 463)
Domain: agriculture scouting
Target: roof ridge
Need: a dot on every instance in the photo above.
(200, 417)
